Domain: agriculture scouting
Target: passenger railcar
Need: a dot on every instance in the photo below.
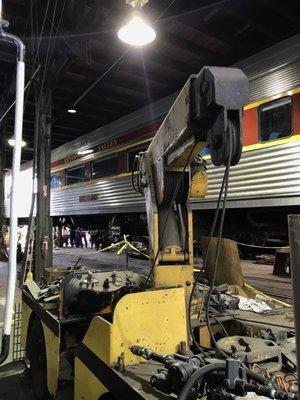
(92, 175)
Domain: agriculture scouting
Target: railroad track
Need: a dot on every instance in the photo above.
(272, 293)
(259, 278)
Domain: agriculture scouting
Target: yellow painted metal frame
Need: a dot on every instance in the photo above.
(155, 319)
(174, 275)
(86, 385)
(26, 314)
(199, 185)
(52, 343)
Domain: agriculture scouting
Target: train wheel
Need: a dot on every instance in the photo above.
(38, 362)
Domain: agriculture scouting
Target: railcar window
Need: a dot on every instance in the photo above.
(106, 167)
(75, 175)
(132, 153)
(275, 119)
(56, 180)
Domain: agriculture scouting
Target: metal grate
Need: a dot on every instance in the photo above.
(18, 351)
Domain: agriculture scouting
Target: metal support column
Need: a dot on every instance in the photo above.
(294, 238)
(3, 138)
(2, 173)
(43, 240)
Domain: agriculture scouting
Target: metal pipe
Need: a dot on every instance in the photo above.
(14, 102)
(294, 239)
(13, 237)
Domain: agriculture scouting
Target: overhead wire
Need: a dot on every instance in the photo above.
(25, 89)
(35, 69)
(35, 50)
(101, 77)
(48, 56)
(39, 38)
(53, 26)
(116, 62)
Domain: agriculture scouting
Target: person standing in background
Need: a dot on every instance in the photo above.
(65, 235)
(78, 237)
(83, 237)
(72, 236)
(93, 234)
(97, 240)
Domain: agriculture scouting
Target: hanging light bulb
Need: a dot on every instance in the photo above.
(137, 32)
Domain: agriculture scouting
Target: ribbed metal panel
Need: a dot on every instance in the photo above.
(262, 173)
(272, 174)
(282, 79)
(114, 195)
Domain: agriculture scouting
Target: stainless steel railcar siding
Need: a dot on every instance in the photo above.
(274, 82)
(271, 173)
(113, 196)
(273, 70)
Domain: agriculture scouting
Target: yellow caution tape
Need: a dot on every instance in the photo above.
(123, 246)
(267, 296)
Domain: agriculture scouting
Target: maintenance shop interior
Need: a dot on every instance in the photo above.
(149, 199)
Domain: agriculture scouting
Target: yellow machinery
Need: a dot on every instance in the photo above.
(97, 328)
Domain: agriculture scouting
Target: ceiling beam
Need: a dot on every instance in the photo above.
(283, 10)
(245, 17)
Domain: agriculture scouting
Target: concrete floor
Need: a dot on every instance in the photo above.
(258, 275)
(261, 277)
(14, 385)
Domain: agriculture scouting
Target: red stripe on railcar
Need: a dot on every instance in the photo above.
(250, 126)
(296, 113)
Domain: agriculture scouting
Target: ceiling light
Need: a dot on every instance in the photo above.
(72, 111)
(137, 32)
(12, 142)
(84, 152)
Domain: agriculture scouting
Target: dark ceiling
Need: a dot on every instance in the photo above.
(80, 44)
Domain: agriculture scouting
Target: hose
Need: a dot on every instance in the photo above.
(199, 374)
(256, 377)
(215, 367)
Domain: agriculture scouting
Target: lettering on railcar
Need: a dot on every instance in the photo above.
(102, 146)
(107, 145)
(71, 158)
(88, 197)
